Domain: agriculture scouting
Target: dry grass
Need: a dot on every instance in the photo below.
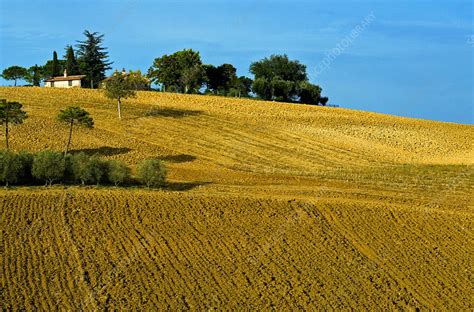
(269, 205)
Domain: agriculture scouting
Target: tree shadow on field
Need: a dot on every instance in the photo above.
(183, 186)
(181, 158)
(103, 151)
(172, 112)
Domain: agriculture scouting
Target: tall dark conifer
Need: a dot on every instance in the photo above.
(55, 70)
(71, 63)
(92, 58)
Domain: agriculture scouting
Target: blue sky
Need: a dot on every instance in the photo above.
(414, 58)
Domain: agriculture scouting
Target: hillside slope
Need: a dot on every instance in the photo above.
(268, 205)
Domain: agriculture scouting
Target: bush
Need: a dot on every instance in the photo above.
(80, 168)
(48, 166)
(97, 168)
(152, 172)
(10, 167)
(88, 169)
(117, 172)
(26, 160)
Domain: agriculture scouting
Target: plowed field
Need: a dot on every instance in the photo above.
(268, 205)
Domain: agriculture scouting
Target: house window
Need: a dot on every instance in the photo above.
(69, 83)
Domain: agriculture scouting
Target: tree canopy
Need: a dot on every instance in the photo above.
(119, 86)
(181, 71)
(74, 115)
(11, 112)
(93, 58)
(280, 79)
(15, 73)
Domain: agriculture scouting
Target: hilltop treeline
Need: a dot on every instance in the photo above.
(275, 78)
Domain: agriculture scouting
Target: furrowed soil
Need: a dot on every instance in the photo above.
(268, 206)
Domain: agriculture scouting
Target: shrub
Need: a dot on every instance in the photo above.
(152, 172)
(117, 172)
(80, 168)
(10, 167)
(88, 169)
(26, 160)
(97, 168)
(48, 166)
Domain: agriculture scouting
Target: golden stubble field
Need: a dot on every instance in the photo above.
(269, 205)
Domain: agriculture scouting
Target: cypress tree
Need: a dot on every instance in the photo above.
(71, 64)
(55, 70)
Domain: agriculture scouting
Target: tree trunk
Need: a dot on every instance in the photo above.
(6, 133)
(70, 136)
(15, 82)
(118, 107)
(92, 84)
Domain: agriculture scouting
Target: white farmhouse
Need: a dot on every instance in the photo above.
(65, 81)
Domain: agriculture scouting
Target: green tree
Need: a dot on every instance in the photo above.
(181, 71)
(10, 167)
(74, 115)
(92, 58)
(152, 172)
(14, 73)
(118, 87)
(221, 79)
(48, 166)
(26, 160)
(71, 63)
(117, 172)
(309, 93)
(87, 169)
(55, 67)
(192, 79)
(35, 75)
(10, 112)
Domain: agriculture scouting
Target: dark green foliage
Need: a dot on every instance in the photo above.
(220, 80)
(92, 58)
(26, 160)
(309, 93)
(98, 169)
(48, 68)
(10, 112)
(55, 67)
(10, 167)
(87, 169)
(48, 166)
(262, 88)
(117, 172)
(74, 115)
(35, 75)
(119, 86)
(152, 172)
(181, 71)
(280, 79)
(71, 63)
(15, 73)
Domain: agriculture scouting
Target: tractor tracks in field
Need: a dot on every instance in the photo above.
(91, 297)
(366, 251)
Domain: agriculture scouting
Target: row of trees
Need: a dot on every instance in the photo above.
(25, 168)
(51, 166)
(89, 58)
(276, 78)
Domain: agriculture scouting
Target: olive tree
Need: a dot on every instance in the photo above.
(10, 167)
(152, 172)
(48, 166)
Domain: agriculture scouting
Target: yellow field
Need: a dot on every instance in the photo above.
(269, 205)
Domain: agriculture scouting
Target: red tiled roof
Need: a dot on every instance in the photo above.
(67, 78)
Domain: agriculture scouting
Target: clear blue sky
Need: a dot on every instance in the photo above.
(415, 57)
